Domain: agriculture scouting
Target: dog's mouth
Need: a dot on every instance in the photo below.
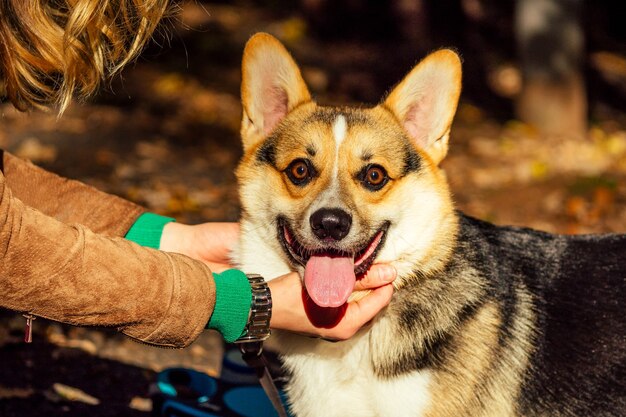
(329, 273)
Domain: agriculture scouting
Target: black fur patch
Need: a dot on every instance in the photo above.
(325, 115)
(580, 363)
(412, 161)
(1, 160)
(267, 152)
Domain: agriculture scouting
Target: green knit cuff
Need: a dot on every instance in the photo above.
(233, 297)
(147, 230)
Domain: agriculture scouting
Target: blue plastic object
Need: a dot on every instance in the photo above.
(198, 382)
(249, 402)
(183, 392)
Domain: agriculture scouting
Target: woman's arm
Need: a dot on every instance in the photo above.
(73, 275)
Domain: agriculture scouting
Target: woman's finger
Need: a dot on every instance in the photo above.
(377, 276)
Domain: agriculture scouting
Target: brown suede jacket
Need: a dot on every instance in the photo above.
(63, 257)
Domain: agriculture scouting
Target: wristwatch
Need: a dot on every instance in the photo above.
(258, 327)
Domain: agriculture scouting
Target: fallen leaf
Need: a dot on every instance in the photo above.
(141, 404)
(74, 394)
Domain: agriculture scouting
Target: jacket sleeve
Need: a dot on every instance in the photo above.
(67, 200)
(70, 274)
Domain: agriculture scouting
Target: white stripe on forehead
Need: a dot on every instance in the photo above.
(339, 129)
(330, 196)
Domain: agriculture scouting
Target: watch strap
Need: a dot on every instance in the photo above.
(258, 327)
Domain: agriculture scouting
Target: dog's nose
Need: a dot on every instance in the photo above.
(330, 223)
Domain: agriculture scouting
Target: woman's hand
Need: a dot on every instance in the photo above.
(293, 310)
(210, 242)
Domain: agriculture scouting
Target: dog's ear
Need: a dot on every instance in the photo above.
(426, 99)
(271, 87)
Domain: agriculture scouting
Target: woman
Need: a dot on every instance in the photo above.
(69, 252)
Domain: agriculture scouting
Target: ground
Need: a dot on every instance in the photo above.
(165, 134)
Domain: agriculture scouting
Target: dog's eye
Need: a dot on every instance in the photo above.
(300, 171)
(373, 177)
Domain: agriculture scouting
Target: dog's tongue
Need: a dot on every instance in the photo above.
(329, 280)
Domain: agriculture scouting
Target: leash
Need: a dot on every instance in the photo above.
(28, 333)
(253, 355)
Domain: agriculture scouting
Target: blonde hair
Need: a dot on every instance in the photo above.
(51, 50)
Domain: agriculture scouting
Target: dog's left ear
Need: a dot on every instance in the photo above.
(271, 87)
(426, 99)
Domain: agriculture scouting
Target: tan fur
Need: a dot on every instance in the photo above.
(466, 366)
(469, 367)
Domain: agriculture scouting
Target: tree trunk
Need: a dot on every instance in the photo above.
(551, 46)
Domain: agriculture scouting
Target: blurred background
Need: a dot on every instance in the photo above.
(539, 140)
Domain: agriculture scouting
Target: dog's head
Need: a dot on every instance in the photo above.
(327, 191)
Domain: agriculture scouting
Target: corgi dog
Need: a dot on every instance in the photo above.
(484, 321)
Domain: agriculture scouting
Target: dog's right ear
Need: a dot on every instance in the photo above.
(425, 101)
(271, 87)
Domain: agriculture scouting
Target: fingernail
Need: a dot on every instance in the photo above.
(387, 273)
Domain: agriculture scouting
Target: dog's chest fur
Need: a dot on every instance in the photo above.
(339, 380)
